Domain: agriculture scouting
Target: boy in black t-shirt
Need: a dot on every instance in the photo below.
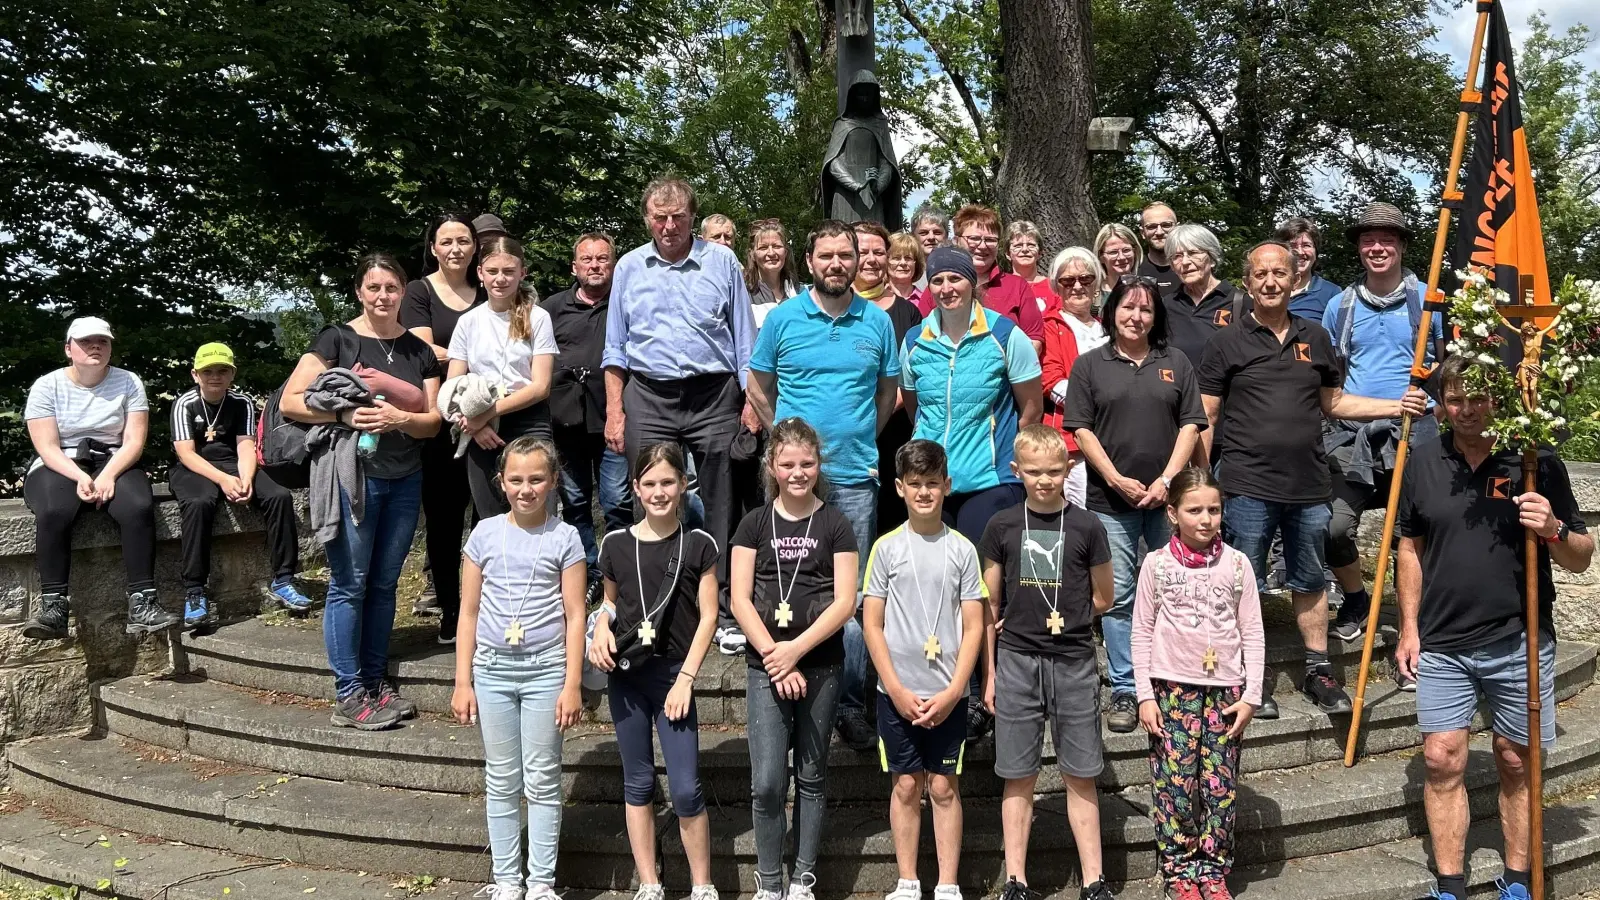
(1047, 566)
(214, 434)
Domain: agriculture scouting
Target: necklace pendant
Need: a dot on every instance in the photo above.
(931, 648)
(647, 633)
(1210, 660)
(211, 434)
(1055, 623)
(783, 615)
(514, 632)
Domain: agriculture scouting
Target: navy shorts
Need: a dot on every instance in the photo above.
(907, 749)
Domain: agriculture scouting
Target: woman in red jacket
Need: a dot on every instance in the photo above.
(1068, 331)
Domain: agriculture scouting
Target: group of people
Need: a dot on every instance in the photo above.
(921, 467)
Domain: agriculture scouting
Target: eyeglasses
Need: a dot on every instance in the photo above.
(1195, 255)
(1079, 280)
(981, 240)
(1024, 245)
(1159, 226)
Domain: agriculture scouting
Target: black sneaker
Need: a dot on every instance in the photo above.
(1097, 890)
(360, 712)
(146, 615)
(978, 724)
(855, 731)
(387, 697)
(1124, 714)
(1321, 688)
(1350, 624)
(1016, 890)
(1269, 707)
(49, 622)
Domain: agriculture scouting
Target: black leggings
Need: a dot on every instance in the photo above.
(53, 500)
(445, 499)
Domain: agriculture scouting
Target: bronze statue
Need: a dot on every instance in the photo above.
(860, 176)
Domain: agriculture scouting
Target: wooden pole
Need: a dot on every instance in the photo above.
(1530, 552)
(1470, 97)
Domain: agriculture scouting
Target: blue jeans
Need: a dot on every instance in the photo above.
(1248, 524)
(586, 464)
(365, 561)
(1123, 531)
(775, 727)
(517, 695)
(859, 504)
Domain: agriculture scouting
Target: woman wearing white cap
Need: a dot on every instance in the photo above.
(88, 423)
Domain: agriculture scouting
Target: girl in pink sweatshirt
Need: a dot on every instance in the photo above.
(1198, 649)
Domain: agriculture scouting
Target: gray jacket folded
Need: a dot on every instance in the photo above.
(335, 464)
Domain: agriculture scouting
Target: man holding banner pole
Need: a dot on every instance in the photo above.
(1460, 577)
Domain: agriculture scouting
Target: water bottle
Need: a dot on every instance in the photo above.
(367, 444)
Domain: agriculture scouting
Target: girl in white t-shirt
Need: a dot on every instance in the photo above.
(509, 341)
(519, 663)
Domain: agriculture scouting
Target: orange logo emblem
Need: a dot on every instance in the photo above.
(1222, 318)
(1166, 375)
(1499, 488)
(1302, 352)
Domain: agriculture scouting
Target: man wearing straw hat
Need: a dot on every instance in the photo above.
(1459, 578)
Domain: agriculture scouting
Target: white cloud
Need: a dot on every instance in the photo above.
(1456, 26)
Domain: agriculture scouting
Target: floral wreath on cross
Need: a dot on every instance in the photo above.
(1570, 347)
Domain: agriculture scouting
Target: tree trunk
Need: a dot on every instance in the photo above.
(1048, 100)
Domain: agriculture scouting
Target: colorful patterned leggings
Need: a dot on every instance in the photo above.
(1193, 768)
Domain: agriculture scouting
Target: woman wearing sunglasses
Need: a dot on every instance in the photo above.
(1069, 331)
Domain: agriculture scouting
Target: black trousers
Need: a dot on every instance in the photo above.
(702, 414)
(198, 498)
(483, 466)
(445, 499)
(53, 500)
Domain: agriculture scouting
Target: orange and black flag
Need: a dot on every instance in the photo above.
(1500, 215)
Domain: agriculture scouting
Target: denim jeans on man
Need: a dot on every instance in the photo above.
(1248, 525)
(365, 561)
(588, 464)
(1123, 532)
(859, 504)
(774, 727)
(517, 695)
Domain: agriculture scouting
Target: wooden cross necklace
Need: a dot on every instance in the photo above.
(647, 629)
(930, 648)
(1054, 622)
(211, 421)
(515, 631)
(785, 613)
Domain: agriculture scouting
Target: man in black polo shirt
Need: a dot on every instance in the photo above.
(1156, 221)
(1460, 577)
(578, 399)
(1269, 379)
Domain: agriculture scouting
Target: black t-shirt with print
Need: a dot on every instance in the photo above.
(214, 428)
(624, 559)
(1046, 559)
(807, 548)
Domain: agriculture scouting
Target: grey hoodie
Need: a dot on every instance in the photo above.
(335, 464)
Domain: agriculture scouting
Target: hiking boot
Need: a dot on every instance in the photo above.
(650, 892)
(978, 724)
(386, 697)
(1350, 623)
(49, 621)
(146, 615)
(1016, 890)
(1322, 689)
(1097, 890)
(855, 731)
(1183, 890)
(1215, 889)
(905, 890)
(198, 615)
(288, 597)
(1269, 707)
(358, 710)
(1124, 715)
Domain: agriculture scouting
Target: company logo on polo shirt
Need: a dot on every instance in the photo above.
(1222, 318)
(1498, 488)
(1166, 375)
(1302, 352)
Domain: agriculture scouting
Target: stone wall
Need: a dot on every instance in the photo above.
(44, 685)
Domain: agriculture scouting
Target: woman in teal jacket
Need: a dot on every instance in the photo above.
(970, 379)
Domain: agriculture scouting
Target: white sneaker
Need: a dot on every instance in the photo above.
(767, 895)
(731, 642)
(905, 890)
(501, 892)
(703, 892)
(947, 892)
(801, 890)
(649, 892)
(539, 892)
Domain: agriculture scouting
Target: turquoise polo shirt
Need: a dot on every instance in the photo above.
(827, 372)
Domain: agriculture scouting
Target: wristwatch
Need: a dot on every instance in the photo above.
(1166, 482)
(1562, 530)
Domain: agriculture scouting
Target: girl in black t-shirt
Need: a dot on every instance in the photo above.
(661, 595)
(792, 580)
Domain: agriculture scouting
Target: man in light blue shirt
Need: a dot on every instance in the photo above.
(677, 353)
(828, 356)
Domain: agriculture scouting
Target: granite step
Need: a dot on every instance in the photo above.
(267, 655)
(1284, 815)
(290, 733)
(40, 848)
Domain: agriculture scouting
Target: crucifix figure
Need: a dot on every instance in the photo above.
(647, 632)
(1055, 623)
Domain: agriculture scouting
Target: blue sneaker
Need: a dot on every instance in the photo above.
(292, 600)
(196, 611)
(1441, 895)
(1511, 891)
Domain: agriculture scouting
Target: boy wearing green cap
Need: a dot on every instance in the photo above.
(214, 433)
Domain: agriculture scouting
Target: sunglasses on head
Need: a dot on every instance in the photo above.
(1138, 281)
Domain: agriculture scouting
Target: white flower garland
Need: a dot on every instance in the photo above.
(1568, 351)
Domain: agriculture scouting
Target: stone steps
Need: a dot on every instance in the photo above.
(1286, 815)
(292, 734)
(291, 659)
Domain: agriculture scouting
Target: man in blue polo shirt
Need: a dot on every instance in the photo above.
(828, 356)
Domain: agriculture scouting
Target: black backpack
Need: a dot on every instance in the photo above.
(280, 441)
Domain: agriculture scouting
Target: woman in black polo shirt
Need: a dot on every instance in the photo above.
(433, 305)
(1134, 406)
